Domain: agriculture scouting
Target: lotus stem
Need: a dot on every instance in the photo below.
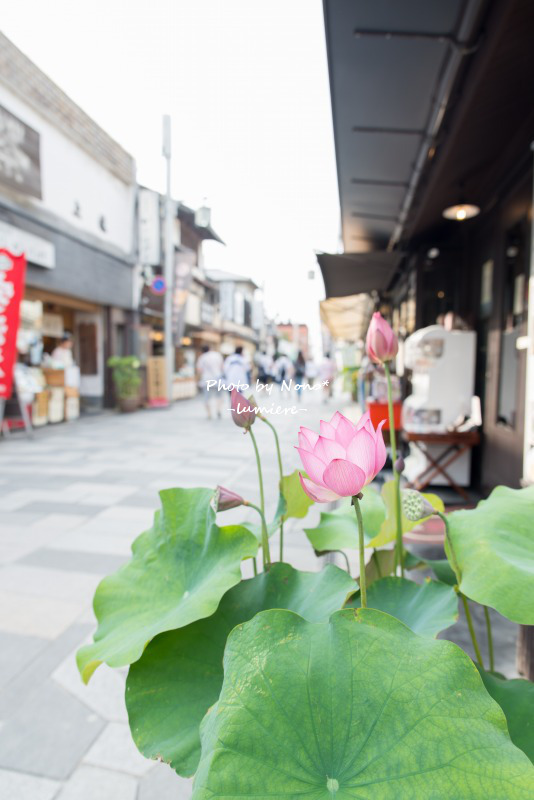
(361, 542)
(472, 630)
(281, 470)
(454, 562)
(342, 552)
(264, 539)
(490, 639)
(261, 509)
(377, 562)
(255, 565)
(396, 477)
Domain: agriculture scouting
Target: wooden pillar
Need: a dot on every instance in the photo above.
(525, 652)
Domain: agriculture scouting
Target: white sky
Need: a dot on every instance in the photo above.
(246, 84)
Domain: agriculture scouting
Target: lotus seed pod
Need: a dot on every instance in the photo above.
(415, 506)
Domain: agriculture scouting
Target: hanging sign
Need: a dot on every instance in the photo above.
(158, 285)
(12, 270)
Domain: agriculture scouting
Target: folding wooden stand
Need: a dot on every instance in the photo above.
(454, 443)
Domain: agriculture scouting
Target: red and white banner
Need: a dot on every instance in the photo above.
(12, 271)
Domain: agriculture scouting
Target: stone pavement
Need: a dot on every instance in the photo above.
(72, 499)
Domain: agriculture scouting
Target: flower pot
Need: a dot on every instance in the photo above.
(128, 404)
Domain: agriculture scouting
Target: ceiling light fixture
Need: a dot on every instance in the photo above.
(461, 212)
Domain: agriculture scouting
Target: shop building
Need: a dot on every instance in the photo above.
(434, 156)
(67, 200)
(196, 317)
(241, 312)
(297, 335)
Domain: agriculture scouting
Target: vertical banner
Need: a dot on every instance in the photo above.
(183, 275)
(12, 271)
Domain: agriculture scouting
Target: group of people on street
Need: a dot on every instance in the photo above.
(236, 369)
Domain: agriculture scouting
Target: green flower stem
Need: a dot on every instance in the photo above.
(377, 562)
(396, 477)
(281, 469)
(472, 630)
(490, 639)
(261, 510)
(362, 578)
(264, 537)
(255, 565)
(342, 552)
(453, 560)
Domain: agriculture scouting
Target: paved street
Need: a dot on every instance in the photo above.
(72, 501)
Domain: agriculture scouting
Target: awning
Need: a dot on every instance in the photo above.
(392, 67)
(347, 317)
(355, 273)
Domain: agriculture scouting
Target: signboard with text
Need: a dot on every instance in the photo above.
(20, 163)
(37, 250)
(12, 271)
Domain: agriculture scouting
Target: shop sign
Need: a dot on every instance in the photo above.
(149, 228)
(12, 270)
(53, 325)
(158, 285)
(20, 164)
(183, 274)
(37, 251)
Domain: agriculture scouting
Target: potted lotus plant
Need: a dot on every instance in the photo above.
(332, 683)
(127, 380)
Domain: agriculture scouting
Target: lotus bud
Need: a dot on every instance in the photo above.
(225, 499)
(243, 413)
(381, 343)
(415, 506)
(252, 403)
(399, 465)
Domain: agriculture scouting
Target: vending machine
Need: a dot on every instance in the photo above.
(443, 383)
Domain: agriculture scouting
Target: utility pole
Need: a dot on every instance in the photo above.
(169, 262)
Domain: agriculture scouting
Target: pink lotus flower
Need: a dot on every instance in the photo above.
(243, 413)
(226, 499)
(342, 459)
(382, 344)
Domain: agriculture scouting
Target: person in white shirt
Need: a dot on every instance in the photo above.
(236, 369)
(62, 354)
(327, 374)
(210, 368)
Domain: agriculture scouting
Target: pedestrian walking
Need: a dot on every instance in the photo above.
(283, 369)
(327, 373)
(300, 373)
(265, 367)
(210, 368)
(236, 370)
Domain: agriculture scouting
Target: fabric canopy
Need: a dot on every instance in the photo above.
(347, 317)
(354, 273)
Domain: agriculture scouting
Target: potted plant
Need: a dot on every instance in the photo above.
(127, 381)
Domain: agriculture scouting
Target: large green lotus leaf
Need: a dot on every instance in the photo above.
(359, 708)
(388, 528)
(516, 698)
(338, 530)
(494, 548)
(182, 670)
(297, 501)
(427, 608)
(178, 573)
(380, 565)
(442, 570)
(292, 502)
